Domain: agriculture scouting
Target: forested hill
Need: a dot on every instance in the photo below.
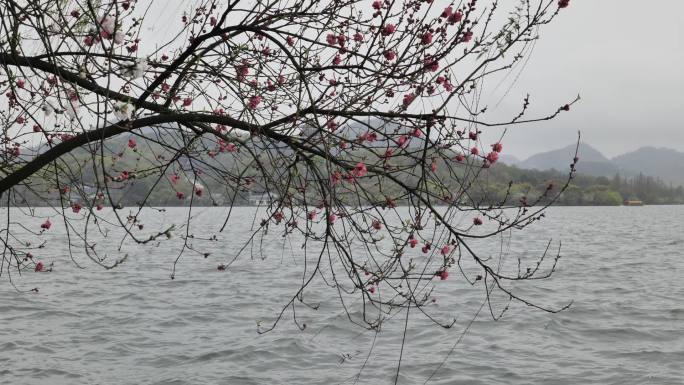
(499, 183)
(663, 163)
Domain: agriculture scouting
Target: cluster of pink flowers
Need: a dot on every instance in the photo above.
(359, 170)
(333, 39)
(254, 102)
(76, 207)
(389, 55)
(451, 16)
(408, 99)
(426, 38)
(388, 29)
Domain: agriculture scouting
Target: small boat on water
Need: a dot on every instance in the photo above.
(633, 203)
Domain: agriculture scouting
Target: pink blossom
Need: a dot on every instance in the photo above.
(377, 5)
(335, 178)
(413, 242)
(76, 207)
(132, 143)
(254, 102)
(332, 218)
(459, 157)
(497, 147)
(278, 216)
(472, 135)
(402, 141)
(492, 157)
(187, 102)
(443, 275)
(445, 250)
(359, 170)
(376, 224)
(341, 40)
(180, 195)
(408, 99)
(39, 267)
(455, 17)
(20, 83)
(332, 125)
(474, 151)
(477, 221)
(199, 191)
(358, 37)
(290, 41)
(389, 55)
(388, 29)
(46, 225)
(330, 39)
(426, 38)
(242, 71)
(447, 11)
(231, 147)
(432, 65)
(337, 60)
(467, 36)
(174, 178)
(563, 3)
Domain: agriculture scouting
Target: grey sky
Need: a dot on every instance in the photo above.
(625, 58)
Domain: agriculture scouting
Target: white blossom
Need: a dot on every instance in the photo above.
(123, 111)
(136, 71)
(118, 37)
(107, 24)
(71, 109)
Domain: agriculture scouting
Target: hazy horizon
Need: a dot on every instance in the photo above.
(627, 67)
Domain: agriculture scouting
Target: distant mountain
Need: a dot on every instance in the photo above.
(508, 159)
(664, 163)
(592, 162)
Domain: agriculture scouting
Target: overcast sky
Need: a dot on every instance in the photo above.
(626, 60)
(624, 57)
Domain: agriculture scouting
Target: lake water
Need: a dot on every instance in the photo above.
(622, 266)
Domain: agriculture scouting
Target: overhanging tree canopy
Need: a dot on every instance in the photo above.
(359, 122)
